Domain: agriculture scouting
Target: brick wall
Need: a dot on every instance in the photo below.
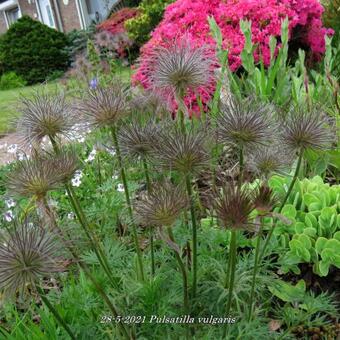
(29, 9)
(69, 15)
(3, 26)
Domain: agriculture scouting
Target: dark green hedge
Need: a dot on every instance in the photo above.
(33, 50)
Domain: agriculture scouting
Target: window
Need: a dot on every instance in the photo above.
(12, 15)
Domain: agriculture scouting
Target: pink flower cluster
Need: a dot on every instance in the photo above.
(190, 18)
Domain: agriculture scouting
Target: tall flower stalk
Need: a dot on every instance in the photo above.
(27, 254)
(128, 201)
(187, 154)
(160, 208)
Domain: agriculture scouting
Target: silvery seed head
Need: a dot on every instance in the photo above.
(264, 199)
(233, 206)
(302, 130)
(245, 124)
(105, 106)
(136, 140)
(44, 114)
(186, 152)
(43, 172)
(162, 206)
(268, 160)
(181, 67)
(27, 254)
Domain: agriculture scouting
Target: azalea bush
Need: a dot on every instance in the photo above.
(305, 30)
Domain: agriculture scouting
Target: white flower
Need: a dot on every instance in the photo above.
(12, 148)
(78, 174)
(8, 215)
(112, 152)
(10, 203)
(91, 156)
(2, 146)
(115, 177)
(21, 156)
(120, 187)
(71, 216)
(76, 181)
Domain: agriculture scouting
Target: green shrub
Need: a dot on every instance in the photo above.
(11, 80)
(313, 236)
(139, 28)
(33, 50)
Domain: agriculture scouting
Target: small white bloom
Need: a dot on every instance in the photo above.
(112, 152)
(2, 146)
(21, 156)
(71, 216)
(8, 215)
(78, 174)
(10, 203)
(76, 181)
(120, 187)
(12, 148)
(115, 177)
(91, 156)
(81, 139)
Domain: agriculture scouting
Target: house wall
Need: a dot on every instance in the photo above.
(69, 15)
(29, 9)
(3, 26)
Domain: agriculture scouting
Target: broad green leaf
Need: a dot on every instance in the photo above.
(299, 227)
(323, 268)
(287, 292)
(289, 211)
(310, 232)
(320, 244)
(305, 240)
(311, 221)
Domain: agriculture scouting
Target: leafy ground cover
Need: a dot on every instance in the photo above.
(131, 218)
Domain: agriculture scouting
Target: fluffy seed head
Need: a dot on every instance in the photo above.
(105, 106)
(245, 124)
(162, 206)
(264, 199)
(307, 130)
(27, 254)
(233, 206)
(44, 114)
(137, 140)
(149, 102)
(40, 174)
(180, 67)
(184, 152)
(268, 160)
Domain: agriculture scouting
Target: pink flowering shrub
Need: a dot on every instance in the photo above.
(190, 18)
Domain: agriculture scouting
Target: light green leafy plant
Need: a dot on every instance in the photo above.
(314, 234)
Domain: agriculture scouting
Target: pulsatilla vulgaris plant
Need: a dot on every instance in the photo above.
(301, 131)
(187, 153)
(105, 107)
(136, 141)
(45, 115)
(27, 255)
(161, 207)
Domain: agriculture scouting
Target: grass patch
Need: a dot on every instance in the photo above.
(9, 104)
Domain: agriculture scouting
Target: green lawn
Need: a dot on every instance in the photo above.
(9, 100)
(9, 105)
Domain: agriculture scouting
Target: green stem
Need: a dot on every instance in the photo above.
(256, 262)
(128, 201)
(233, 248)
(241, 165)
(291, 186)
(95, 244)
(55, 313)
(194, 234)
(148, 186)
(184, 274)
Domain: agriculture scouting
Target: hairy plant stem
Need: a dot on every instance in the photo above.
(95, 244)
(55, 313)
(128, 201)
(256, 262)
(148, 186)
(184, 274)
(95, 283)
(241, 165)
(290, 188)
(194, 234)
(231, 273)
